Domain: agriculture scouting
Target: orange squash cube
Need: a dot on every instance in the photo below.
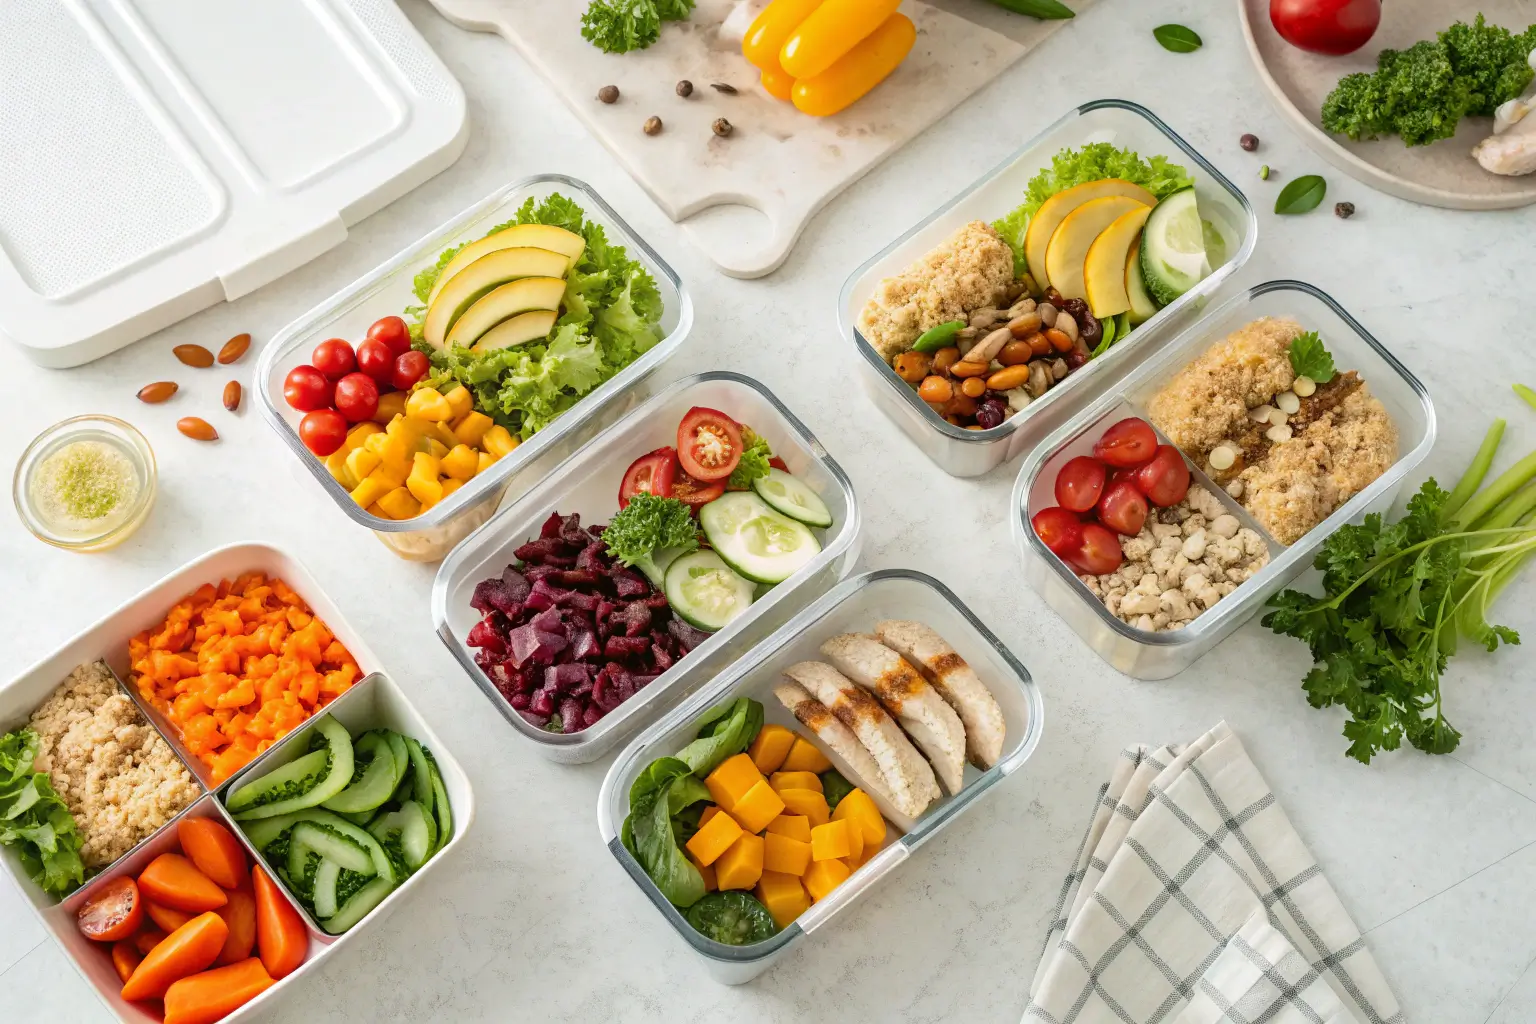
(807, 802)
(830, 841)
(709, 812)
(824, 876)
(706, 871)
(795, 826)
(858, 808)
(771, 747)
(804, 757)
(757, 807)
(712, 840)
(855, 844)
(796, 780)
(731, 780)
(783, 896)
(742, 865)
(785, 855)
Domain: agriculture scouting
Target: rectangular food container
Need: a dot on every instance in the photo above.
(1147, 655)
(387, 290)
(962, 452)
(588, 484)
(107, 640)
(854, 605)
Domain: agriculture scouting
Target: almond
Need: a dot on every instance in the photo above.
(194, 355)
(197, 429)
(157, 392)
(234, 348)
(232, 395)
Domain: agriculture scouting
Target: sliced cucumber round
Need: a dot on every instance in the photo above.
(381, 864)
(330, 844)
(377, 782)
(281, 791)
(440, 808)
(325, 888)
(1173, 256)
(412, 824)
(759, 543)
(263, 832)
(786, 494)
(704, 592)
(358, 905)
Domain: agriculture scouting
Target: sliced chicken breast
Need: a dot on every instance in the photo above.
(909, 782)
(956, 682)
(818, 718)
(932, 724)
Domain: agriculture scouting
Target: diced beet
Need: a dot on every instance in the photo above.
(624, 682)
(495, 595)
(628, 583)
(482, 635)
(570, 715)
(605, 693)
(580, 579)
(565, 678)
(584, 690)
(527, 643)
(572, 533)
(590, 716)
(519, 701)
(642, 681)
(548, 621)
(596, 530)
(542, 704)
(661, 657)
(605, 609)
(626, 646)
(539, 598)
(584, 645)
(537, 721)
(534, 573)
(633, 619)
(485, 659)
(579, 601)
(657, 602)
(551, 527)
(686, 635)
(591, 557)
(516, 583)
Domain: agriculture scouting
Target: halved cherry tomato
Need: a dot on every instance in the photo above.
(391, 330)
(323, 431)
(1059, 530)
(1100, 551)
(651, 473)
(334, 358)
(1123, 508)
(1130, 442)
(113, 912)
(307, 389)
(708, 444)
(1079, 484)
(1164, 480)
(695, 493)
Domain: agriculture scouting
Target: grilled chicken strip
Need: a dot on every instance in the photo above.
(909, 782)
(956, 682)
(932, 724)
(818, 718)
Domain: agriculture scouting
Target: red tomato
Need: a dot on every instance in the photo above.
(357, 397)
(1123, 508)
(391, 330)
(410, 367)
(307, 389)
(334, 358)
(377, 360)
(1326, 26)
(1080, 483)
(1059, 530)
(708, 444)
(113, 912)
(1164, 480)
(323, 431)
(696, 493)
(778, 463)
(1128, 443)
(1100, 552)
(649, 474)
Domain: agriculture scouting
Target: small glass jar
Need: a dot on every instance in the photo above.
(86, 483)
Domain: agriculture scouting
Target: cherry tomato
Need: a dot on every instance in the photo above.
(410, 367)
(1080, 483)
(708, 444)
(323, 431)
(113, 912)
(357, 397)
(1123, 508)
(307, 389)
(1164, 480)
(1099, 553)
(334, 358)
(649, 474)
(695, 493)
(1059, 530)
(1128, 443)
(377, 360)
(1333, 27)
(391, 330)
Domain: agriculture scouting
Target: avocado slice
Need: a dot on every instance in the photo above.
(518, 330)
(480, 278)
(502, 303)
(519, 236)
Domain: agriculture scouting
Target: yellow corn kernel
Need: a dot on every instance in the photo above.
(472, 428)
(461, 401)
(428, 404)
(390, 406)
(399, 505)
(461, 462)
(484, 461)
(369, 491)
(361, 462)
(498, 441)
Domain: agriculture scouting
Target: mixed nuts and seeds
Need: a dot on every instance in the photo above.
(200, 358)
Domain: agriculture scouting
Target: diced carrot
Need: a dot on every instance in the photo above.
(214, 850)
(168, 919)
(125, 957)
(185, 951)
(174, 881)
(214, 995)
(281, 938)
(240, 915)
(147, 939)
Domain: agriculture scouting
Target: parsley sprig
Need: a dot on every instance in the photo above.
(1310, 359)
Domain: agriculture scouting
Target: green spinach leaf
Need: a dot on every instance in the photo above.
(1177, 38)
(727, 730)
(1301, 195)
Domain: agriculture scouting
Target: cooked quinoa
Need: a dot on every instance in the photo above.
(970, 270)
(118, 776)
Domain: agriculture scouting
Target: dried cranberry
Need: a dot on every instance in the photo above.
(990, 414)
(1089, 330)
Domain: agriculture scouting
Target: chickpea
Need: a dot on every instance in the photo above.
(973, 387)
(1015, 352)
(935, 389)
(912, 367)
(944, 358)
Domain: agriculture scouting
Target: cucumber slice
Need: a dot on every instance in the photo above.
(786, 494)
(421, 773)
(412, 824)
(1173, 256)
(440, 808)
(262, 832)
(269, 795)
(294, 777)
(398, 749)
(381, 864)
(357, 907)
(325, 888)
(704, 592)
(758, 543)
(655, 567)
(361, 818)
(331, 845)
(377, 782)
(1143, 308)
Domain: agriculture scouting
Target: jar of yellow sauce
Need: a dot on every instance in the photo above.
(85, 484)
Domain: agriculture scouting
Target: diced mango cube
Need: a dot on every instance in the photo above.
(363, 461)
(757, 807)
(713, 838)
(375, 442)
(781, 853)
(450, 485)
(461, 462)
(434, 447)
(730, 781)
(795, 826)
(359, 433)
(428, 404)
(855, 843)
(710, 885)
(423, 483)
(707, 813)
(804, 757)
(795, 780)
(742, 865)
(370, 490)
(336, 465)
(390, 406)
(807, 802)
(472, 428)
(857, 807)
(770, 747)
(498, 441)
(783, 896)
(460, 400)
(399, 504)
(823, 876)
(830, 841)
(484, 461)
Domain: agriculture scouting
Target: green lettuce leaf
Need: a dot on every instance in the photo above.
(754, 460)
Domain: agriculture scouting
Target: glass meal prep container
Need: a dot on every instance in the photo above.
(372, 701)
(1158, 655)
(961, 452)
(387, 290)
(854, 605)
(588, 484)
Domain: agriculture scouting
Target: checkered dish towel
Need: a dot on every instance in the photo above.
(1194, 901)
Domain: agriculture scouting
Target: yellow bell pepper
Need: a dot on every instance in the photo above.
(856, 72)
(390, 406)
(498, 441)
(461, 401)
(483, 462)
(766, 35)
(428, 404)
(461, 462)
(399, 504)
(472, 428)
(362, 461)
(423, 483)
(829, 32)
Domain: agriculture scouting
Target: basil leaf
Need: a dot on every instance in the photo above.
(1310, 359)
(1302, 195)
(1047, 10)
(1177, 38)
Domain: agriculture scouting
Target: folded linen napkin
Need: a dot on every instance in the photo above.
(1194, 901)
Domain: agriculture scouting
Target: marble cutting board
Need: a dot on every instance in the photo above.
(778, 165)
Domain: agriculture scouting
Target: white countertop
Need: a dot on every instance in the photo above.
(533, 920)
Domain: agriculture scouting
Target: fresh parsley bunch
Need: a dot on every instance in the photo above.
(650, 532)
(618, 26)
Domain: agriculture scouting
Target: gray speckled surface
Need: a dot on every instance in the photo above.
(535, 921)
